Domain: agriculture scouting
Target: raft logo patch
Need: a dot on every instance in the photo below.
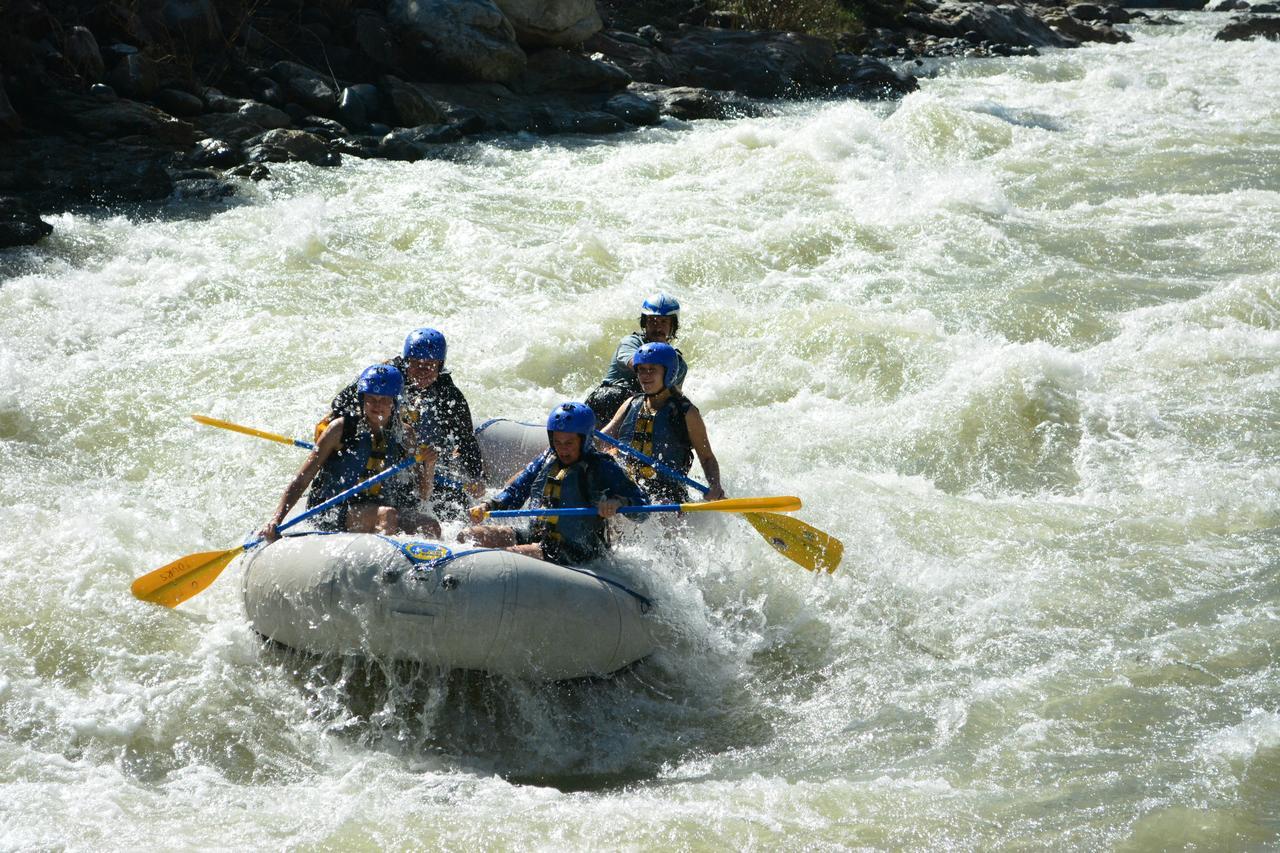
(425, 552)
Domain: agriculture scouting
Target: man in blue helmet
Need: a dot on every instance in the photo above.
(659, 323)
(571, 473)
(437, 413)
(354, 448)
(662, 423)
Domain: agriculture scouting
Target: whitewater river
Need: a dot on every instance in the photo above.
(1014, 339)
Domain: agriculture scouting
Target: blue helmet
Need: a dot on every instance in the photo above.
(663, 354)
(660, 305)
(572, 417)
(426, 344)
(381, 380)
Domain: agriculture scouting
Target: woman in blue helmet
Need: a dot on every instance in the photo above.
(354, 448)
(659, 323)
(661, 422)
(571, 473)
(437, 413)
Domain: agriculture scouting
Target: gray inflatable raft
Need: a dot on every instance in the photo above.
(394, 599)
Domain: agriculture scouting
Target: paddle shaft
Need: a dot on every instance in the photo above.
(775, 503)
(340, 497)
(440, 479)
(665, 470)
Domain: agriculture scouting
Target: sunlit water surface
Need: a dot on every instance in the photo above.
(1015, 340)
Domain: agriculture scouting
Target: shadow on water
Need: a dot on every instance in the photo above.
(589, 734)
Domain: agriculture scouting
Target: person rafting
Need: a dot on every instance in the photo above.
(570, 473)
(437, 412)
(352, 449)
(659, 323)
(663, 424)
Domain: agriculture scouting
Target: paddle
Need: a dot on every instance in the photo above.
(801, 543)
(781, 503)
(440, 479)
(184, 578)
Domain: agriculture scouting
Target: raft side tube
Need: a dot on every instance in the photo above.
(495, 611)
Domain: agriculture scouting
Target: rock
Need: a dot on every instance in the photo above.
(556, 70)
(1180, 5)
(1246, 27)
(279, 146)
(10, 121)
(217, 153)
(469, 38)
(689, 103)
(633, 109)
(1086, 12)
(589, 121)
(872, 79)
(226, 126)
(216, 102)
(81, 50)
(357, 104)
(264, 116)
(411, 144)
(1265, 8)
(201, 185)
(115, 119)
(267, 91)
(134, 76)
(998, 25)
(195, 21)
(178, 103)
(373, 38)
(252, 171)
(103, 92)
(19, 224)
(305, 86)
(558, 23)
(1082, 32)
(326, 128)
(410, 106)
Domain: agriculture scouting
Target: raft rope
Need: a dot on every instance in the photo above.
(646, 603)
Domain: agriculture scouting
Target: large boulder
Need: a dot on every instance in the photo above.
(305, 86)
(1246, 27)
(471, 39)
(19, 224)
(556, 70)
(760, 64)
(552, 23)
(10, 121)
(1003, 24)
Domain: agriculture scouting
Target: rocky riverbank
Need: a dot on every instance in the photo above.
(127, 101)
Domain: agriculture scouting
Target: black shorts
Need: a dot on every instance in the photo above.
(606, 400)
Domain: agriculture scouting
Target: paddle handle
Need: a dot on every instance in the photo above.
(440, 479)
(665, 470)
(339, 498)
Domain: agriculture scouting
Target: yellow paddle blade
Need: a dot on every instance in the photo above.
(215, 422)
(781, 503)
(173, 584)
(799, 542)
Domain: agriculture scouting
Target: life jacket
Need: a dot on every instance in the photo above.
(663, 435)
(360, 456)
(577, 538)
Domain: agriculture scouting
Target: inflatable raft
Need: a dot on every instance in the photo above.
(393, 599)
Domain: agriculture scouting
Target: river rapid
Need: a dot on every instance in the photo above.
(1014, 339)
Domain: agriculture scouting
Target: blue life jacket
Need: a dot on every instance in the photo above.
(545, 483)
(359, 457)
(663, 434)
